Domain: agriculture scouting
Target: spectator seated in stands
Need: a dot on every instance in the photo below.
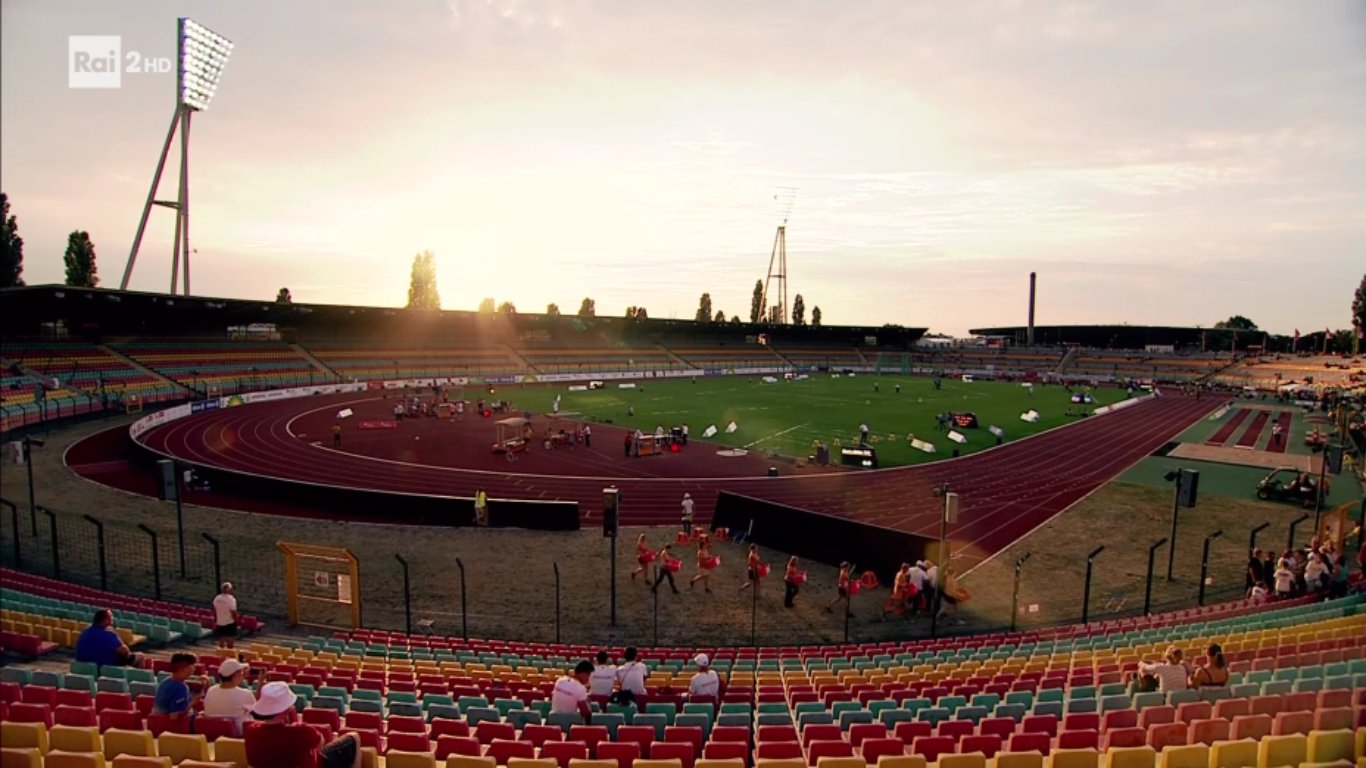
(174, 697)
(570, 694)
(99, 644)
(229, 699)
(277, 740)
(1171, 673)
(706, 683)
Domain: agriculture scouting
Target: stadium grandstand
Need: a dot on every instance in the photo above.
(1289, 674)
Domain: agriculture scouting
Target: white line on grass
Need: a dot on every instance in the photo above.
(775, 434)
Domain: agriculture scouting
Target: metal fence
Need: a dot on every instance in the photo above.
(457, 595)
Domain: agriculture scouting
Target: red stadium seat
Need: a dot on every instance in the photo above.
(683, 751)
(564, 751)
(624, 752)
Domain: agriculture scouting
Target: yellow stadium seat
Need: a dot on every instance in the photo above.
(829, 763)
(398, 758)
(1276, 751)
(21, 757)
(24, 735)
(1193, 756)
(135, 743)
(69, 738)
(135, 761)
(1130, 757)
(203, 764)
(704, 763)
(528, 762)
(1020, 760)
(1330, 746)
(1233, 754)
(902, 761)
(468, 761)
(62, 759)
(969, 760)
(790, 762)
(183, 746)
(578, 762)
(230, 750)
(1074, 758)
(671, 763)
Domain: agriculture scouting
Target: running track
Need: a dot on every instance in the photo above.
(1253, 433)
(1227, 429)
(1005, 492)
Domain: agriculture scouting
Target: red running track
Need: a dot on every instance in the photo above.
(1228, 428)
(1005, 492)
(1253, 433)
(1279, 439)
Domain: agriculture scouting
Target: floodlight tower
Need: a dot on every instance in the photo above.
(203, 54)
(777, 259)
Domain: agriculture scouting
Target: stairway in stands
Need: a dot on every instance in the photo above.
(1066, 360)
(315, 362)
(518, 359)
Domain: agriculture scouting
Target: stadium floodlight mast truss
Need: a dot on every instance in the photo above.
(777, 261)
(203, 54)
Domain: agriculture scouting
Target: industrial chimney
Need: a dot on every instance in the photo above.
(1029, 334)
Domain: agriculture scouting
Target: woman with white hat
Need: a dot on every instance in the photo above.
(229, 699)
(278, 739)
(706, 683)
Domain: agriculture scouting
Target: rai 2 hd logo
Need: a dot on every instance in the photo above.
(99, 61)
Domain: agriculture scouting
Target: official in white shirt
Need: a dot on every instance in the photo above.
(631, 677)
(706, 682)
(604, 677)
(570, 694)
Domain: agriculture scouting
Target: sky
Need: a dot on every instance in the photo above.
(1155, 163)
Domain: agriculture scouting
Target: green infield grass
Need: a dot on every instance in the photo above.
(787, 417)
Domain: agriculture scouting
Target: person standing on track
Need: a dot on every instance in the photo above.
(587, 436)
(336, 435)
(687, 513)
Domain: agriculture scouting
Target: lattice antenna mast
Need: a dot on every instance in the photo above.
(775, 284)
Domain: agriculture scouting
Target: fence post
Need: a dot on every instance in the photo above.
(1148, 587)
(557, 601)
(464, 614)
(655, 592)
(1290, 538)
(1204, 563)
(28, 465)
(1252, 537)
(14, 527)
(217, 562)
(179, 515)
(407, 596)
(99, 542)
(1015, 593)
(56, 548)
(848, 599)
(1086, 595)
(156, 559)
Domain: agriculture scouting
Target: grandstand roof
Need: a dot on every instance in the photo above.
(1110, 336)
(98, 312)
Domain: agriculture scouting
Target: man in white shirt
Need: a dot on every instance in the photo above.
(225, 616)
(228, 699)
(931, 584)
(570, 695)
(604, 677)
(631, 675)
(687, 513)
(706, 682)
(917, 577)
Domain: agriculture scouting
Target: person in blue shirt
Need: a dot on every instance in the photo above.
(100, 644)
(174, 697)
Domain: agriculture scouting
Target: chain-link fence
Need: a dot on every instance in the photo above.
(463, 583)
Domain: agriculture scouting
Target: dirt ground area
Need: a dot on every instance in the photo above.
(511, 573)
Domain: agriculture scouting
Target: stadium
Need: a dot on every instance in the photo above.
(417, 537)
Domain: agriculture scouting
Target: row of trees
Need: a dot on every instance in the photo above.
(79, 258)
